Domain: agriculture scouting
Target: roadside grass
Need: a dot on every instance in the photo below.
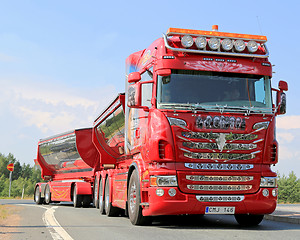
(25, 197)
(3, 212)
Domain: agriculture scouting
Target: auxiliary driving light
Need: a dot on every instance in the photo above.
(227, 44)
(201, 42)
(275, 192)
(265, 192)
(252, 46)
(160, 192)
(172, 192)
(239, 45)
(187, 41)
(214, 43)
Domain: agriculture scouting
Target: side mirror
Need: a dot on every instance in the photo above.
(134, 95)
(134, 77)
(281, 102)
(283, 86)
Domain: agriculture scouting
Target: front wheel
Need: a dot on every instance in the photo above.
(248, 220)
(134, 200)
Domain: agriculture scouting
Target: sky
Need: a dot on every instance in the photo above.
(62, 62)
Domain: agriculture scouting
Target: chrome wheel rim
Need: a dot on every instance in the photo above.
(132, 197)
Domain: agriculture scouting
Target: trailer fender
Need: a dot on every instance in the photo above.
(83, 188)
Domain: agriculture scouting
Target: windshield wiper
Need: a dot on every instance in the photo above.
(192, 107)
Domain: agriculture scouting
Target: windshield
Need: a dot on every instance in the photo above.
(214, 91)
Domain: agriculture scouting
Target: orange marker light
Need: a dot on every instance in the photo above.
(175, 31)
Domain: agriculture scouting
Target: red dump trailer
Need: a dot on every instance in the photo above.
(68, 163)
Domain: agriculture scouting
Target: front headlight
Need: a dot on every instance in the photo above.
(163, 181)
(268, 182)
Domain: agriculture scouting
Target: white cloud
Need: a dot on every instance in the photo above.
(7, 58)
(285, 137)
(288, 122)
(53, 108)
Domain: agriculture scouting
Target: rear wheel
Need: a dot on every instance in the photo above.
(96, 189)
(100, 198)
(77, 199)
(248, 220)
(47, 194)
(134, 200)
(110, 210)
(86, 201)
(37, 196)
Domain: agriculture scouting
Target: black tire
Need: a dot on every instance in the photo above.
(77, 199)
(37, 196)
(47, 194)
(100, 197)
(86, 201)
(248, 220)
(110, 210)
(96, 193)
(134, 200)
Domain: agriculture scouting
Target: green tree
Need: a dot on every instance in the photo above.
(288, 188)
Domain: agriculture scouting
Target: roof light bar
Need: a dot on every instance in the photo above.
(218, 43)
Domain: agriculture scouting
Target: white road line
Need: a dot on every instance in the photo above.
(56, 230)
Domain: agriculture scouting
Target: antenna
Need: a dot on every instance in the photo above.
(258, 22)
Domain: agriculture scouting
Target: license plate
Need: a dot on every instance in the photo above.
(219, 210)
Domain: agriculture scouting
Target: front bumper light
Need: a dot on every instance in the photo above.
(268, 182)
(163, 181)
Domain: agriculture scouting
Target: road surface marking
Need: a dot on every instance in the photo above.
(56, 230)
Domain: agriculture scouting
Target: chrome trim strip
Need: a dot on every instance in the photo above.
(218, 156)
(204, 178)
(218, 198)
(219, 166)
(227, 146)
(220, 187)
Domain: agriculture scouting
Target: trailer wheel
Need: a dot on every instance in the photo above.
(47, 194)
(77, 199)
(100, 198)
(37, 196)
(110, 210)
(248, 220)
(96, 190)
(134, 200)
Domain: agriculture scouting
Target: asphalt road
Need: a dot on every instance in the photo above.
(63, 221)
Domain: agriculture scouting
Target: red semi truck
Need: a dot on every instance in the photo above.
(194, 132)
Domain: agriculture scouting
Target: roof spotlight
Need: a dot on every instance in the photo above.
(227, 44)
(214, 43)
(252, 46)
(187, 41)
(239, 45)
(201, 42)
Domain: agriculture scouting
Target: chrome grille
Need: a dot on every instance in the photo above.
(228, 146)
(204, 178)
(219, 166)
(223, 198)
(219, 156)
(220, 187)
(211, 135)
